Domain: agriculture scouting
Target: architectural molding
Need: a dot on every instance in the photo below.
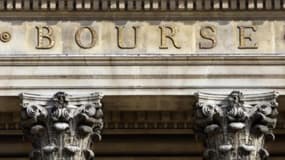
(212, 15)
(142, 9)
(62, 126)
(140, 5)
(142, 60)
(235, 126)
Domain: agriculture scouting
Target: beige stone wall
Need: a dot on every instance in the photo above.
(146, 69)
(148, 91)
(119, 38)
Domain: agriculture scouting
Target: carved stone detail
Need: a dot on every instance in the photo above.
(62, 127)
(236, 126)
(138, 5)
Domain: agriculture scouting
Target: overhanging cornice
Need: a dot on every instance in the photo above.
(142, 9)
(141, 5)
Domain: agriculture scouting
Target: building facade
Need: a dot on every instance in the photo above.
(142, 79)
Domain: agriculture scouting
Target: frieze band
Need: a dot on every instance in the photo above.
(145, 37)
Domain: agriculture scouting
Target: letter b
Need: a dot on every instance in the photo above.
(45, 37)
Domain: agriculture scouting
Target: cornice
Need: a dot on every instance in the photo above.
(140, 5)
(142, 9)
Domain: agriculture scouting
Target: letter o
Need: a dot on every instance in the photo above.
(78, 40)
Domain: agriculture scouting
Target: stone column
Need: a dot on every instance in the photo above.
(62, 127)
(235, 126)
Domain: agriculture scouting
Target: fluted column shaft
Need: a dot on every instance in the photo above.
(235, 126)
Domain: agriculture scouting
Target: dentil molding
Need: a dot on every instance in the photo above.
(140, 5)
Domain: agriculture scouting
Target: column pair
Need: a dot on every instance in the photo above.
(232, 127)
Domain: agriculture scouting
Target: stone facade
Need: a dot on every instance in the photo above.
(149, 58)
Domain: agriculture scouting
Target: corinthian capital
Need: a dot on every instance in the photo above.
(62, 126)
(235, 126)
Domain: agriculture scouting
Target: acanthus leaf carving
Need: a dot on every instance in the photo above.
(235, 126)
(62, 126)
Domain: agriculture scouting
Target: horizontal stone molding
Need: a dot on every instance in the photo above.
(123, 77)
(140, 5)
(141, 60)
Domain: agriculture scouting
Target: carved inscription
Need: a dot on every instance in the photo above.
(127, 37)
(45, 37)
(126, 42)
(147, 37)
(89, 31)
(208, 33)
(246, 40)
(168, 33)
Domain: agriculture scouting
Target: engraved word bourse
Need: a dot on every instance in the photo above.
(144, 37)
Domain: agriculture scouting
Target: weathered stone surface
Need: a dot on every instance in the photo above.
(62, 127)
(140, 38)
(128, 76)
(235, 126)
